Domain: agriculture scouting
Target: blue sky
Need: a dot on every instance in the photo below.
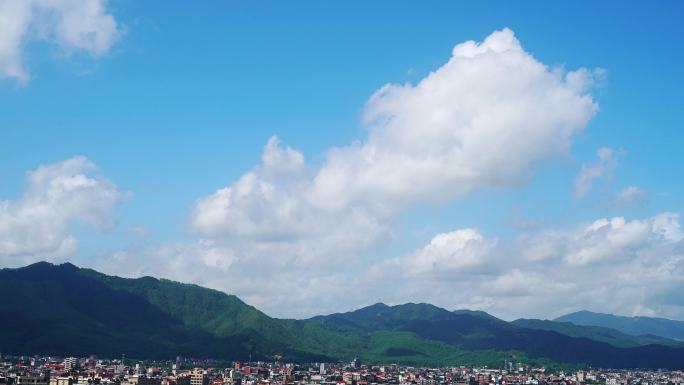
(179, 100)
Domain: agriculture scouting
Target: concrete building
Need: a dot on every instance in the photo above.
(140, 380)
(62, 381)
(198, 377)
(70, 363)
(32, 379)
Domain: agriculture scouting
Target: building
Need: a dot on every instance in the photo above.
(70, 363)
(183, 380)
(62, 381)
(198, 377)
(32, 379)
(580, 376)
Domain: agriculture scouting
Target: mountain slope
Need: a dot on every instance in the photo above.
(660, 327)
(200, 308)
(54, 309)
(66, 310)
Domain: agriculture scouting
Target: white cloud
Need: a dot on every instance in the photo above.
(488, 118)
(266, 211)
(446, 254)
(611, 265)
(36, 225)
(605, 239)
(629, 197)
(73, 25)
(604, 166)
(14, 20)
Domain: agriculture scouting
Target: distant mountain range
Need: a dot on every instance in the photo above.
(660, 327)
(65, 310)
(596, 333)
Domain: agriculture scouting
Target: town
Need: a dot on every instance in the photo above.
(35, 370)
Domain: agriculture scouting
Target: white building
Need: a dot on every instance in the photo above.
(70, 363)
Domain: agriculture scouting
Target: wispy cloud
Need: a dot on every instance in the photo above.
(628, 197)
(606, 163)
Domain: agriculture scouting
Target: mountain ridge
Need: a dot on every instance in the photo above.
(638, 325)
(598, 333)
(64, 309)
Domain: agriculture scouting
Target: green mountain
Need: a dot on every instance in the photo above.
(64, 310)
(660, 327)
(480, 331)
(596, 333)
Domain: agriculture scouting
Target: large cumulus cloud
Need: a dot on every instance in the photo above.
(490, 117)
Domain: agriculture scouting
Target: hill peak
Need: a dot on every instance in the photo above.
(583, 313)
